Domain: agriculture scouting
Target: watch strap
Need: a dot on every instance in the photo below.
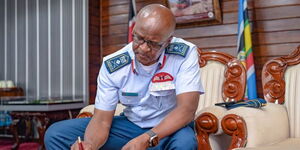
(151, 133)
(153, 141)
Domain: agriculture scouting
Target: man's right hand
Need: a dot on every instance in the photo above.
(100, 123)
(85, 145)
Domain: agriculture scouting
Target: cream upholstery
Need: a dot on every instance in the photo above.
(264, 125)
(212, 77)
(292, 99)
(90, 109)
(287, 144)
(276, 126)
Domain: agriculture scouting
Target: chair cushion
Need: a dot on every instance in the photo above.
(212, 78)
(292, 101)
(90, 109)
(266, 125)
(288, 144)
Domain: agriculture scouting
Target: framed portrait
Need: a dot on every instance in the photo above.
(195, 12)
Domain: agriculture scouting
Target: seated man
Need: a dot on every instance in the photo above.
(156, 77)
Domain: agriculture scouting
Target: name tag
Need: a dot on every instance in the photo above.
(129, 94)
(162, 86)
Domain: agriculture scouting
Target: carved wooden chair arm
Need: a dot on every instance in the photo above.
(84, 115)
(206, 123)
(86, 112)
(251, 127)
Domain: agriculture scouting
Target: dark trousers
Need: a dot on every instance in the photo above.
(61, 135)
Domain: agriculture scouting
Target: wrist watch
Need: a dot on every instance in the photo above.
(153, 141)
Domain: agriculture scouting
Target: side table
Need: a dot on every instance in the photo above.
(43, 113)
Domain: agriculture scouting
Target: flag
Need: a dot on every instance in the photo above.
(244, 47)
(131, 19)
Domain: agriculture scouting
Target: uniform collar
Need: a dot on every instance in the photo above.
(161, 60)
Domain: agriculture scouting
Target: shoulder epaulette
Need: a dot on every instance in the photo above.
(115, 63)
(177, 49)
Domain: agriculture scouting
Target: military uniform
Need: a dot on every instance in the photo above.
(149, 95)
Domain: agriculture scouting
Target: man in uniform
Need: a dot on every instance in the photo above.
(157, 78)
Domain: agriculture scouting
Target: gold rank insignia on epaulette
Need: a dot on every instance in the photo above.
(115, 63)
(177, 49)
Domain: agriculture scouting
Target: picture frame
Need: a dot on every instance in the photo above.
(195, 12)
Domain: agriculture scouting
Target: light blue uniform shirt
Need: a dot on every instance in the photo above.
(148, 97)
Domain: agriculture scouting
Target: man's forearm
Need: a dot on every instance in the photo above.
(98, 128)
(95, 134)
(184, 113)
(176, 119)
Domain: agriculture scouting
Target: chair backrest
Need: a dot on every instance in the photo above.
(223, 78)
(281, 84)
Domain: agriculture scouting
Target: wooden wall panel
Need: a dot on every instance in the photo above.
(94, 47)
(275, 28)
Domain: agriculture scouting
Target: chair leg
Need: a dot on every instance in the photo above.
(41, 130)
(14, 132)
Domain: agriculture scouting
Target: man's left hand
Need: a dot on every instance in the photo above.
(139, 143)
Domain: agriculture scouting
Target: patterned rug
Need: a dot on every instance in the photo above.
(6, 144)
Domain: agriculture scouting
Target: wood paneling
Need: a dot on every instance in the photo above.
(275, 28)
(232, 5)
(94, 47)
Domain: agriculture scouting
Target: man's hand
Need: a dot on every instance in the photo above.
(85, 145)
(139, 143)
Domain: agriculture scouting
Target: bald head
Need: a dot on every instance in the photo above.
(156, 18)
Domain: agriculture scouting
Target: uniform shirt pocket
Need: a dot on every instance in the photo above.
(129, 98)
(162, 93)
(163, 99)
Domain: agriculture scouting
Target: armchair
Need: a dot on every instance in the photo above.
(276, 126)
(223, 78)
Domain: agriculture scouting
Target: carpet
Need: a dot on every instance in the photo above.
(6, 144)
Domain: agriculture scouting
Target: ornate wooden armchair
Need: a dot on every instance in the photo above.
(223, 78)
(276, 126)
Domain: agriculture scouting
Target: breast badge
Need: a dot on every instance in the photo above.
(162, 81)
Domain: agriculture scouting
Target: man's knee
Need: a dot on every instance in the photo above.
(62, 134)
(188, 143)
(52, 132)
(184, 139)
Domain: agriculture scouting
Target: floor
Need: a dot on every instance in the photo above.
(6, 144)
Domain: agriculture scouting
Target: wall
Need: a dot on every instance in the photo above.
(275, 24)
(43, 47)
(94, 46)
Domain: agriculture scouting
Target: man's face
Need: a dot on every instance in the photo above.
(148, 46)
